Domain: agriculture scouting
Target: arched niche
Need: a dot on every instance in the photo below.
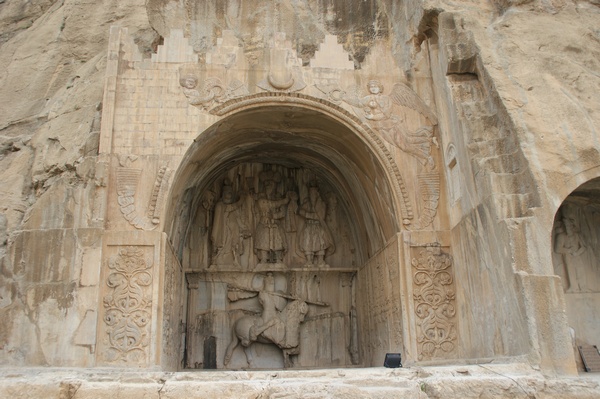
(217, 191)
(576, 259)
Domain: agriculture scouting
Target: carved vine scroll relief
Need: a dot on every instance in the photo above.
(127, 306)
(434, 302)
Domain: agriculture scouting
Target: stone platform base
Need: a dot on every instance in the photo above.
(464, 382)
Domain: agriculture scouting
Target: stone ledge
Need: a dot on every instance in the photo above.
(473, 381)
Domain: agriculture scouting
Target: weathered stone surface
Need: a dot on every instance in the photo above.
(357, 24)
(489, 381)
(349, 178)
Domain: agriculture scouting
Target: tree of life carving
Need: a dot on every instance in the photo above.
(127, 307)
(434, 298)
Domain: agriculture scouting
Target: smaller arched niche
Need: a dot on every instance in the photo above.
(274, 212)
(576, 259)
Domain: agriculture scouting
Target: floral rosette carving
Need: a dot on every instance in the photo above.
(434, 298)
(127, 306)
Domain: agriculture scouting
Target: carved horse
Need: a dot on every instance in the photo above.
(284, 333)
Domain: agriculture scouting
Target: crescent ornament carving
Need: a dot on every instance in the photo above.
(280, 85)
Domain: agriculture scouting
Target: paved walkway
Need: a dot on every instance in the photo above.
(472, 381)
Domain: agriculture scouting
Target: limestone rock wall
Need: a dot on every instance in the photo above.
(527, 149)
(51, 86)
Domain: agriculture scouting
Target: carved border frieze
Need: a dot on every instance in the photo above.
(429, 187)
(172, 310)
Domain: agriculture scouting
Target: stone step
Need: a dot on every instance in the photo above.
(511, 183)
(509, 380)
(513, 206)
(506, 163)
(475, 109)
(492, 148)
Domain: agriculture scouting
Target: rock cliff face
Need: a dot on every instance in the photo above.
(516, 87)
(52, 80)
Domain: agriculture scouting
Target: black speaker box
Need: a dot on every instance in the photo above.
(392, 360)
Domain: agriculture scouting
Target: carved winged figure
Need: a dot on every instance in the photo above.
(213, 91)
(378, 110)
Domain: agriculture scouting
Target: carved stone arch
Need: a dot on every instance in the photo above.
(340, 114)
(292, 133)
(575, 241)
(375, 155)
(574, 182)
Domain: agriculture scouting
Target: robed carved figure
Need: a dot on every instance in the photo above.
(270, 242)
(314, 238)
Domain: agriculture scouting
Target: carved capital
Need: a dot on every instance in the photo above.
(193, 280)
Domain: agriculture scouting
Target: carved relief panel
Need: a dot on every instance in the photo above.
(271, 273)
(140, 185)
(434, 299)
(576, 259)
(260, 217)
(380, 304)
(575, 251)
(124, 331)
(271, 319)
(129, 300)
